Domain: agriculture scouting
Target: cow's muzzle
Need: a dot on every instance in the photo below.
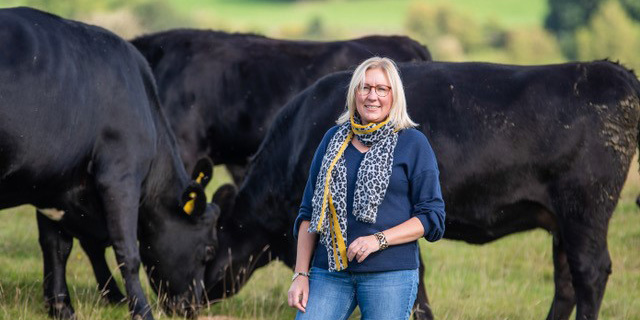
(185, 306)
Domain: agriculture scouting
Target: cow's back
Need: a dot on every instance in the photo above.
(499, 132)
(67, 91)
(221, 91)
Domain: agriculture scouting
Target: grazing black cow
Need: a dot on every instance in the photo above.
(221, 91)
(518, 147)
(82, 136)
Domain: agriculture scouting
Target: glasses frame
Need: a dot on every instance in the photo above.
(360, 89)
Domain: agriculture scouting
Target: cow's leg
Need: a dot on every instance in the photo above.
(589, 261)
(120, 194)
(106, 283)
(421, 308)
(583, 219)
(56, 246)
(564, 299)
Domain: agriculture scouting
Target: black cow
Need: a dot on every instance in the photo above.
(82, 136)
(518, 147)
(221, 91)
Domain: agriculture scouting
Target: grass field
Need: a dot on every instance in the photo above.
(511, 278)
(349, 18)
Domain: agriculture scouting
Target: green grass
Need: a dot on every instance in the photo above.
(346, 18)
(511, 278)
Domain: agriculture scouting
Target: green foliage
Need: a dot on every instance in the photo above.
(72, 9)
(430, 22)
(610, 34)
(316, 28)
(157, 15)
(632, 7)
(454, 35)
(531, 46)
(567, 16)
(124, 17)
(448, 32)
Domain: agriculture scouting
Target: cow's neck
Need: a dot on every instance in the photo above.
(167, 177)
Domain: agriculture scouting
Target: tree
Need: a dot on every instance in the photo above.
(632, 7)
(565, 17)
(611, 33)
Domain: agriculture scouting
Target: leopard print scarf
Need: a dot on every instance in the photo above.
(329, 216)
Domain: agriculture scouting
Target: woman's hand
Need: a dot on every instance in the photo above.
(362, 247)
(299, 293)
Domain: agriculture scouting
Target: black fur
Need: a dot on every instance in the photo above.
(518, 147)
(221, 91)
(81, 131)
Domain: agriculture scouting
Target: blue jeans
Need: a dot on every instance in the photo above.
(381, 295)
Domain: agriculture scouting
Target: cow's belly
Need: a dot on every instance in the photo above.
(52, 185)
(75, 206)
(83, 216)
(488, 223)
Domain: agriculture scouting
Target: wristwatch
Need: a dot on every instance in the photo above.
(296, 274)
(382, 240)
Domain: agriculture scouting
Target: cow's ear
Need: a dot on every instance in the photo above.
(194, 201)
(203, 172)
(225, 197)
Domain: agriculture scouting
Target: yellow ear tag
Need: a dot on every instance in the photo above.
(188, 207)
(199, 179)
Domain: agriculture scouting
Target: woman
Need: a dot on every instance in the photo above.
(372, 191)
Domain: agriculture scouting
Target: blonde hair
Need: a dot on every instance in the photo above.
(398, 115)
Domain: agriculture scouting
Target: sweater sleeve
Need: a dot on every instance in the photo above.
(426, 195)
(306, 207)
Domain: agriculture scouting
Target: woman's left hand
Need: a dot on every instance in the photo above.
(362, 247)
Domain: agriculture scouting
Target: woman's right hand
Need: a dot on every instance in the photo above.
(299, 293)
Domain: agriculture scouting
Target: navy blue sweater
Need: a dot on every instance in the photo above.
(413, 191)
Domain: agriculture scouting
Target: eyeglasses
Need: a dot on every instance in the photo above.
(381, 91)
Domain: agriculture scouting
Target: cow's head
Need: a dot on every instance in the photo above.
(176, 247)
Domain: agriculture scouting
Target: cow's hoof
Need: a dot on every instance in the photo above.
(143, 315)
(147, 316)
(61, 310)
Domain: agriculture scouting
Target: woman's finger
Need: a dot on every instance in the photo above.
(362, 256)
(303, 300)
(297, 303)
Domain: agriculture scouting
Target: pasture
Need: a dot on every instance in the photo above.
(511, 278)
(351, 17)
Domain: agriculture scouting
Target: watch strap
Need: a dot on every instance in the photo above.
(296, 274)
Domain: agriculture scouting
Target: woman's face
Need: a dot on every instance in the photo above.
(371, 106)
